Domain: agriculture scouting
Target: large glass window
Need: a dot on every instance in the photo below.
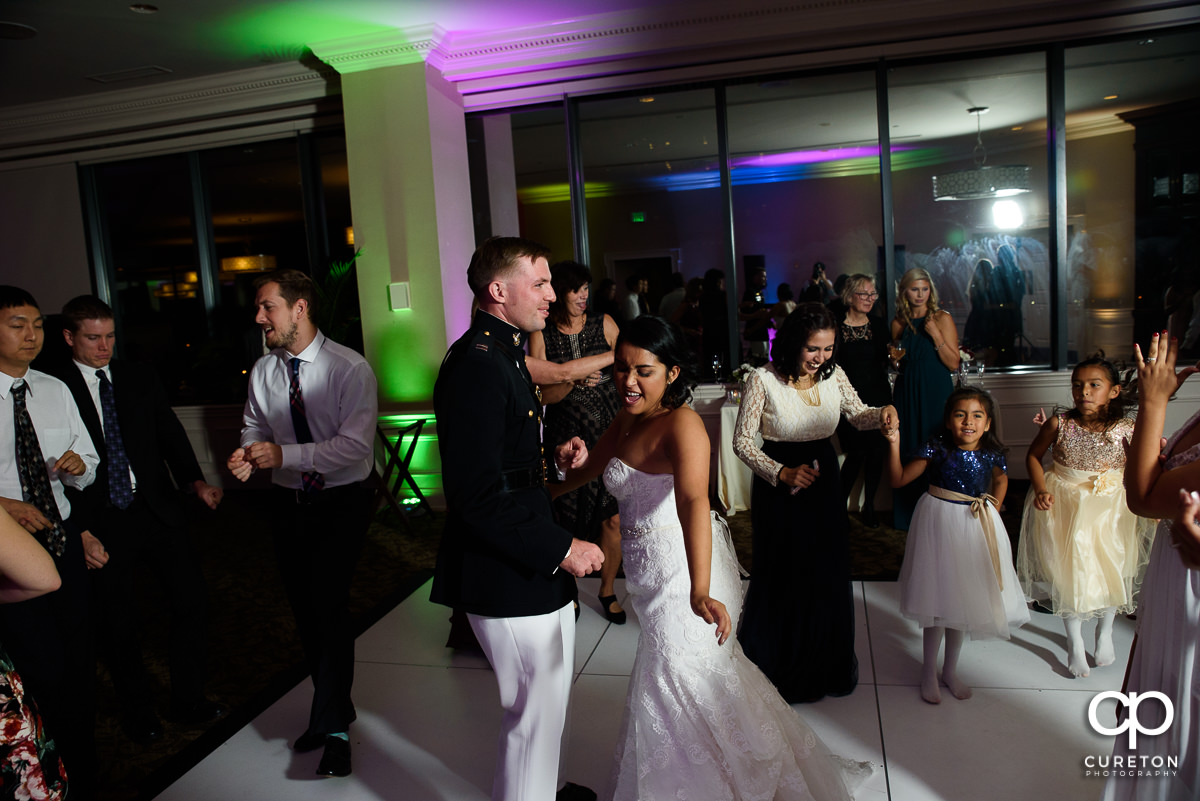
(653, 187)
(155, 265)
(539, 164)
(519, 177)
(1132, 196)
(975, 132)
(969, 199)
(184, 236)
(804, 162)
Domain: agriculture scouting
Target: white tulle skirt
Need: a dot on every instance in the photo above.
(1087, 553)
(948, 578)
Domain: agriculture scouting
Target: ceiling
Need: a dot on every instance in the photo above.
(83, 47)
(86, 47)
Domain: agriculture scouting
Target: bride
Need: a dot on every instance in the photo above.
(701, 720)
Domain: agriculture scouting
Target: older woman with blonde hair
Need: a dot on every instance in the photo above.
(925, 350)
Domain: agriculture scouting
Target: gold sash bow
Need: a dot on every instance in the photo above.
(978, 506)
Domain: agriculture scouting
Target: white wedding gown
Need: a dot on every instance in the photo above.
(701, 722)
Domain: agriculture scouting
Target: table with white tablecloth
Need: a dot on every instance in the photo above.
(734, 478)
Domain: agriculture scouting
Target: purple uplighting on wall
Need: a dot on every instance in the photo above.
(809, 156)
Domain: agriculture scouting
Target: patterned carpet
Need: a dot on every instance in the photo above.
(254, 656)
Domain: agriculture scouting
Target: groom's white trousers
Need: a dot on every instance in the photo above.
(534, 661)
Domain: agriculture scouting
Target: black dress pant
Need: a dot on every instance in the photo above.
(136, 540)
(49, 640)
(865, 451)
(318, 538)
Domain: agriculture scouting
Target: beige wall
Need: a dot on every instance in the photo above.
(45, 250)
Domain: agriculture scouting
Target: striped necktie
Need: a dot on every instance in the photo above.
(313, 480)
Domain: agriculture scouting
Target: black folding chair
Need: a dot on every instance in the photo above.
(395, 471)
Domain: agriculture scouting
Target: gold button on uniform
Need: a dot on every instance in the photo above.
(531, 412)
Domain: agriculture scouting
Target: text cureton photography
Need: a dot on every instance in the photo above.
(1131, 765)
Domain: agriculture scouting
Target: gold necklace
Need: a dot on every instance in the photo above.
(810, 394)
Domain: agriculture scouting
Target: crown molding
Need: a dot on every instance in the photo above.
(138, 109)
(714, 33)
(413, 45)
(814, 49)
(598, 53)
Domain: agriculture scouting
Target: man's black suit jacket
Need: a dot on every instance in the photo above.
(153, 436)
(500, 549)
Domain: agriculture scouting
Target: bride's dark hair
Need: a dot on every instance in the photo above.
(666, 342)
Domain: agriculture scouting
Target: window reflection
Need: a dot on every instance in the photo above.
(539, 147)
(155, 265)
(804, 161)
(984, 258)
(653, 187)
(204, 342)
(1130, 145)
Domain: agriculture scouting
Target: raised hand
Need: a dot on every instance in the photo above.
(1157, 378)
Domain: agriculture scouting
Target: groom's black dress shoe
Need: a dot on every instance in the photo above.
(336, 759)
(575, 792)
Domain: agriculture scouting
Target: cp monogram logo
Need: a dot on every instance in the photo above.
(1131, 719)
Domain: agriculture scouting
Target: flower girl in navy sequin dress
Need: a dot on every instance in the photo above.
(958, 574)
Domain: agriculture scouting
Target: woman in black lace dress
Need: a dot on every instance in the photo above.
(862, 341)
(582, 408)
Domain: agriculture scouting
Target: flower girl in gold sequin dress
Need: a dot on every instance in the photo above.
(1081, 550)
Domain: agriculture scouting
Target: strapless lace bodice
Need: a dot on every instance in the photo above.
(655, 563)
(647, 500)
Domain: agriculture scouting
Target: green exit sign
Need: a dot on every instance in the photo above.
(637, 216)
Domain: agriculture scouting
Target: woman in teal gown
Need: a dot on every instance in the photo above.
(925, 350)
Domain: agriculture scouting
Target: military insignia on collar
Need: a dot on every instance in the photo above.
(517, 340)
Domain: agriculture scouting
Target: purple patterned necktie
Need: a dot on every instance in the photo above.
(31, 468)
(120, 487)
(312, 481)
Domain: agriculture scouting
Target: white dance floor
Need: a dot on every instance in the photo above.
(427, 717)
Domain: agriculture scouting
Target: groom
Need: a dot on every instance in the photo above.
(503, 560)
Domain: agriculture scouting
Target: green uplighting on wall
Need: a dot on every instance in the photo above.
(401, 377)
(281, 31)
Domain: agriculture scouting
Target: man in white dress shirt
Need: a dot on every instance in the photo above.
(44, 445)
(310, 418)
